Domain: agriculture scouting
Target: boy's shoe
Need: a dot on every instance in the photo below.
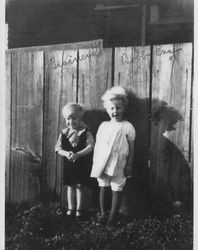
(78, 213)
(70, 212)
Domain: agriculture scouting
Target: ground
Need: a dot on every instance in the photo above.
(39, 227)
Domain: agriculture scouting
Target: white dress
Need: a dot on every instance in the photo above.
(112, 148)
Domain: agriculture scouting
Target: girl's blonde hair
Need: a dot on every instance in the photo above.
(71, 108)
(115, 93)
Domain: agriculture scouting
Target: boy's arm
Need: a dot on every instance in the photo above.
(59, 149)
(129, 166)
(64, 153)
(89, 147)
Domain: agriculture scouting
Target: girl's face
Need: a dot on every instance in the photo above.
(115, 109)
(72, 120)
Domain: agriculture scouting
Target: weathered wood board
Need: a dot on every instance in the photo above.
(132, 71)
(171, 90)
(60, 88)
(95, 68)
(94, 76)
(8, 125)
(192, 134)
(132, 68)
(66, 46)
(26, 126)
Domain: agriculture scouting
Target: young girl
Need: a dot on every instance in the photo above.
(75, 144)
(114, 151)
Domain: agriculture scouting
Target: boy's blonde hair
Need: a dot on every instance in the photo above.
(115, 93)
(71, 108)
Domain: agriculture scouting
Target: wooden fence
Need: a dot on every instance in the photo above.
(40, 81)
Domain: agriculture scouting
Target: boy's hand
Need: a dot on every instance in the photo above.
(128, 171)
(67, 154)
(73, 157)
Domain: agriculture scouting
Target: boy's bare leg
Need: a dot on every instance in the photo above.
(79, 199)
(71, 193)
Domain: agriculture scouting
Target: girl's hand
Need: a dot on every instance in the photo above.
(128, 171)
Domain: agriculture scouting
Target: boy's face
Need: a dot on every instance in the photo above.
(115, 109)
(72, 120)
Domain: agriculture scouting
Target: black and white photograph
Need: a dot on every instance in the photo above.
(99, 125)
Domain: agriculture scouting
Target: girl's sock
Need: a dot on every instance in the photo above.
(103, 193)
(115, 204)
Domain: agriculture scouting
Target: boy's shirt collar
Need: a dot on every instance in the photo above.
(82, 127)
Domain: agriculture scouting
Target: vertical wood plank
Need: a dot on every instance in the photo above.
(60, 88)
(171, 86)
(8, 125)
(132, 71)
(191, 139)
(94, 76)
(95, 67)
(27, 120)
(191, 154)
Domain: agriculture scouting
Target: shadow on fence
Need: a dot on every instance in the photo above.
(157, 188)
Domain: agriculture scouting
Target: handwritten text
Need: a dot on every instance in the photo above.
(143, 54)
(92, 53)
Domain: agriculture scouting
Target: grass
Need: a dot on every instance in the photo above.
(38, 227)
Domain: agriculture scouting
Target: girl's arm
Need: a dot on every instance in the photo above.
(128, 168)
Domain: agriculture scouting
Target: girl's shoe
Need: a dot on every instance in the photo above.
(78, 213)
(112, 222)
(70, 212)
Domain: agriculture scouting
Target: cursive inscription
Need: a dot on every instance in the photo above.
(139, 55)
(65, 63)
(160, 52)
(143, 54)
